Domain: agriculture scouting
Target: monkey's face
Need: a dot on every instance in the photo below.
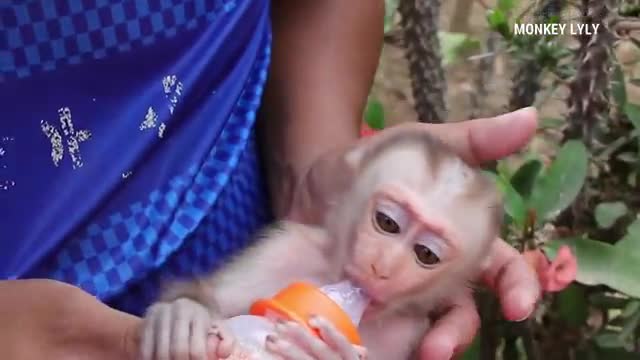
(405, 244)
(423, 220)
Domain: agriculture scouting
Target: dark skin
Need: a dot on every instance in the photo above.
(325, 54)
(324, 59)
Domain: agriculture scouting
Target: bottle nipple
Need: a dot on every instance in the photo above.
(341, 303)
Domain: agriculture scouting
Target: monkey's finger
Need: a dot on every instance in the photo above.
(296, 334)
(285, 349)
(452, 332)
(515, 282)
(334, 338)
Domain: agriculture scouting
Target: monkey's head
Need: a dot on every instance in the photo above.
(421, 219)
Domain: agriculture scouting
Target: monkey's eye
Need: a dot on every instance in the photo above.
(389, 217)
(425, 256)
(386, 223)
(429, 249)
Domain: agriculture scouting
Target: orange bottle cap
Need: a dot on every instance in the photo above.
(299, 301)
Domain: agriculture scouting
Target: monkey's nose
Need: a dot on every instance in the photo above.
(378, 274)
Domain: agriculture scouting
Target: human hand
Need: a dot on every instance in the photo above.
(508, 274)
(46, 319)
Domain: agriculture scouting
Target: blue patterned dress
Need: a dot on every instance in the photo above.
(127, 145)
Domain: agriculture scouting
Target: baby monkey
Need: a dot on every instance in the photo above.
(414, 230)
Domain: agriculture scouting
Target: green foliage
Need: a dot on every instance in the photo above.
(573, 306)
(506, 6)
(473, 351)
(514, 204)
(633, 113)
(499, 22)
(391, 7)
(546, 192)
(374, 114)
(618, 90)
(453, 45)
(524, 179)
(551, 123)
(630, 243)
(561, 183)
(600, 263)
(536, 192)
(608, 213)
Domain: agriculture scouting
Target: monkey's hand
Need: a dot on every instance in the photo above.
(184, 329)
(293, 342)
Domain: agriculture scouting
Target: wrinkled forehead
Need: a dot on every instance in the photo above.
(439, 174)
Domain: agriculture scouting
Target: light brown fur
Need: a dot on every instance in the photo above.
(425, 173)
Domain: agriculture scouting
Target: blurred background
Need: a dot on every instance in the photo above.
(571, 197)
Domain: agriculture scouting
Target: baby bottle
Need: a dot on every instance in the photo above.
(341, 303)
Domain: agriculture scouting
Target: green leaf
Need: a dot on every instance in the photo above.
(630, 243)
(615, 354)
(606, 301)
(391, 7)
(551, 123)
(506, 5)
(618, 90)
(631, 308)
(453, 44)
(609, 340)
(633, 113)
(572, 305)
(561, 183)
(629, 327)
(514, 205)
(526, 176)
(374, 114)
(600, 263)
(498, 22)
(473, 351)
(608, 213)
(628, 157)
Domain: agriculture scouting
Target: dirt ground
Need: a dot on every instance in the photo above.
(392, 85)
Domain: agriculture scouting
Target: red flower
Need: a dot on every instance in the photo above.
(557, 275)
(366, 130)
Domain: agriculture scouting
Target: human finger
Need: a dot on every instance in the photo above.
(513, 280)
(453, 332)
(478, 141)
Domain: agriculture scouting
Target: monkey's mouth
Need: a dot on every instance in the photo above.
(365, 283)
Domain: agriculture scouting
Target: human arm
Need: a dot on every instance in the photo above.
(53, 320)
(324, 57)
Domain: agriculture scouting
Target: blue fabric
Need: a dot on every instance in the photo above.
(127, 149)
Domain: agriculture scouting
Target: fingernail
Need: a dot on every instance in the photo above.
(520, 301)
(280, 327)
(314, 321)
(511, 116)
(526, 110)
